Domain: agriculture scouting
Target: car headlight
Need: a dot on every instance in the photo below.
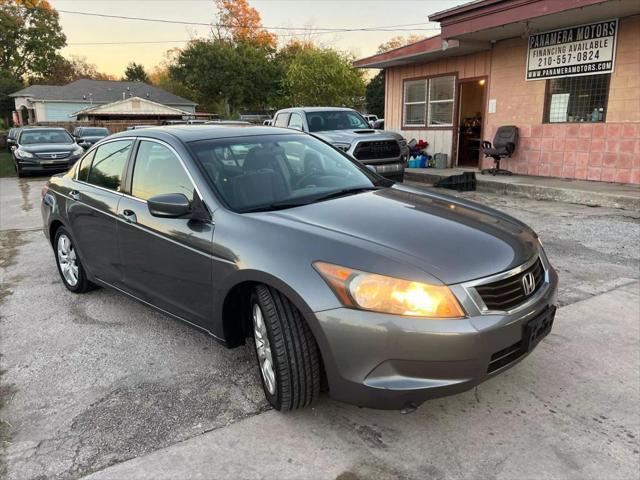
(78, 151)
(23, 153)
(342, 146)
(379, 293)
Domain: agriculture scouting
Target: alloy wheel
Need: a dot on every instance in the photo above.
(67, 260)
(263, 349)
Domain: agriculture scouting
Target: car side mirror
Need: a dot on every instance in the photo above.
(169, 205)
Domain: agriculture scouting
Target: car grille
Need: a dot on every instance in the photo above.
(53, 155)
(377, 150)
(509, 292)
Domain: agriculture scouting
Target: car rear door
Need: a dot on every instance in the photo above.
(166, 261)
(93, 205)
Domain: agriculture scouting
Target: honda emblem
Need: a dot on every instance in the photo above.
(528, 283)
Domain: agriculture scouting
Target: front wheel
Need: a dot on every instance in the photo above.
(288, 356)
(69, 266)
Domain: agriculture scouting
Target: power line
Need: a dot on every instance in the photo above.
(387, 28)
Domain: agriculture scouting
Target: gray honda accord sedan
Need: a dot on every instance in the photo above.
(384, 294)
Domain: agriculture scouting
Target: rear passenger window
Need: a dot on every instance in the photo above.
(158, 171)
(296, 121)
(85, 166)
(108, 164)
(281, 120)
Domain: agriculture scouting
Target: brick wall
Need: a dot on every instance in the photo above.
(607, 151)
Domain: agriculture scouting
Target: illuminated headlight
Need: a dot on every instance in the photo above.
(342, 146)
(379, 293)
(23, 153)
(78, 151)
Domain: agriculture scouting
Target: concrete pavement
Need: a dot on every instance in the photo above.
(567, 411)
(98, 383)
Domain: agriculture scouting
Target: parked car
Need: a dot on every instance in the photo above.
(386, 293)
(267, 123)
(346, 129)
(44, 149)
(138, 127)
(11, 137)
(371, 119)
(87, 136)
(379, 124)
(228, 122)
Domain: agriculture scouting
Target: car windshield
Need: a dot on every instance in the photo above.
(94, 132)
(335, 120)
(271, 172)
(36, 137)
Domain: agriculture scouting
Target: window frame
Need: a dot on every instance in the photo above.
(427, 117)
(547, 103)
(125, 169)
(134, 159)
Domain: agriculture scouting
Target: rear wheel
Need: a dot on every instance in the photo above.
(288, 355)
(69, 266)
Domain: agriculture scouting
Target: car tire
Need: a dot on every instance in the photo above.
(284, 342)
(69, 266)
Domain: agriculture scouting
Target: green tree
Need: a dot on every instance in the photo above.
(227, 75)
(375, 95)
(8, 84)
(65, 70)
(320, 76)
(135, 73)
(30, 36)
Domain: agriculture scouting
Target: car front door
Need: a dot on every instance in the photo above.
(92, 208)
(166, 261)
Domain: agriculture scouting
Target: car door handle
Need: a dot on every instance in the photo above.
(74, 194)
(129, 216)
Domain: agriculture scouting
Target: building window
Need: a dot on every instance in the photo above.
(429, 102)
(576, 99)
(415, 101)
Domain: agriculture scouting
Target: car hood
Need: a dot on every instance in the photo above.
(349, 136)
(49, 147)
(452, 240)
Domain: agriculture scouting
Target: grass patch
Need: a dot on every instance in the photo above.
(7, 168)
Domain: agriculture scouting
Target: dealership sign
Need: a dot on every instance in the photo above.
(582, 50)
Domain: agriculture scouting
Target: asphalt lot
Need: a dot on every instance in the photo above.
(99, 383)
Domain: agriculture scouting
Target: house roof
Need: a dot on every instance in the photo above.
(131, 107)
(100, 91)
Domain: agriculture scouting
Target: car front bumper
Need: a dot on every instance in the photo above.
(43, 166)
(391, 362)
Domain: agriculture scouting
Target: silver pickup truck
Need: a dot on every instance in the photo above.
(346, 129)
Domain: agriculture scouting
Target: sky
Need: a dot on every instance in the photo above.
(112, 59)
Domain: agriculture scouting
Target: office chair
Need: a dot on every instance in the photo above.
(504, 144)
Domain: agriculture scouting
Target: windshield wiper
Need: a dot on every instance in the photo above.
(343, 193)
(272, 207)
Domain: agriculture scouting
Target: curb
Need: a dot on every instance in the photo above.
(538, 192)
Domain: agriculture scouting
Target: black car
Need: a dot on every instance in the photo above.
(11, 137)
(341, 277)
(44, 149)
(87, 136)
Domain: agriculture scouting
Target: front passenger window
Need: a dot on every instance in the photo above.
(108, 164)
(158, 171)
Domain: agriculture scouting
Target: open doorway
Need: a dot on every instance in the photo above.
(471, 100)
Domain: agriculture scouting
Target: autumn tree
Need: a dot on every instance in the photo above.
(397, 42)
(65, 70)
(240, 22)
(30, 37)
(135, 72)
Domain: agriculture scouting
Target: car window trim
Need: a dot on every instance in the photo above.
(95, 147)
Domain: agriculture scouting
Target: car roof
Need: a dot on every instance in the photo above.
(317, 109)
(192, 133)
(43, 128)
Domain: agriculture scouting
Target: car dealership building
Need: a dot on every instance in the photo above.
(565, 72)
